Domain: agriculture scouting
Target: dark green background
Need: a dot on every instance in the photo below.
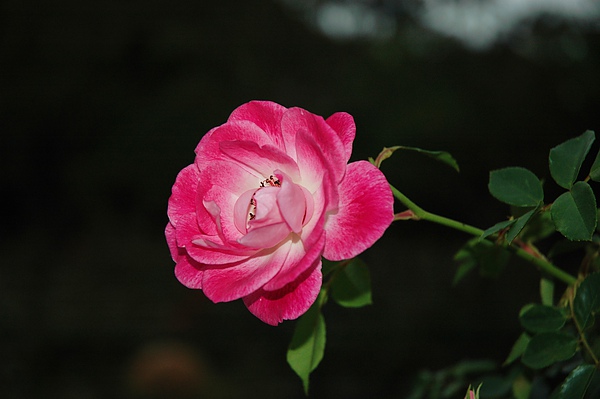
(102, 103)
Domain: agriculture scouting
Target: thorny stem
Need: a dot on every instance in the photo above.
(419, 213)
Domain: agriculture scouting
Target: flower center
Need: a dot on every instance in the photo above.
(273, 210)
(271, 181)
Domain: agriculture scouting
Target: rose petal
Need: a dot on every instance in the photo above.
(297, 120)
(291, 202)
(172, 241)
(183, 194)
(266, 237)
(266, 115)
(188, 271)
(267, 210)
(315, 170)
(365, 212)
(230, 282)
(261, 160)
(242, 210)
(291, 301)
(208, 148)
(344, 126)
(187, 230)
(300, 258)
(207, 252)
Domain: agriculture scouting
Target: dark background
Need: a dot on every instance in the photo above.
(102, 103)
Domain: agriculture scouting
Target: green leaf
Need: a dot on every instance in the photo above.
(539, 227)
(540, 318)
(516, 186)
(518, 226)
(441, 156)
(548, 348)
(587, 301)
(308, 344)
(521, 387)
(466, 264)
(577, 382)
(496, 228)
(574, 213)
(518, 348)
(595, 169)
(566, 158)
(491, 259)
(351, 287)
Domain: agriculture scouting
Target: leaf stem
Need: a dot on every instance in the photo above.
(421, 214)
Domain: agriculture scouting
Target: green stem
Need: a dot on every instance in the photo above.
(421, 214)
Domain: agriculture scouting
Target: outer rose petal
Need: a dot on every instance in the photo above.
(315, 170)
(183, 194)
(261, 161)
(226, 283)
(265, 114)
(365, 212)
(344, 126)
(208, 149)
(288, 303)
(188, 272)
(171, 241)
(186, 269)
(300, 259)
(297, 120)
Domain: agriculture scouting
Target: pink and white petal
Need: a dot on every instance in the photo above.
(310, 205)
(297, 120)
(208, 253)
(187, 230)
(288, 303)
(291, 202)
(343, 124)
(223, 183)
(220, 204)
(230, 176)
(208, 149)
(312, 161)
(170, 235)
(300, 259)
(265, 237)
(231, 282)
(314, 227)
(365, 212)
(188, 272)
(183, 194)
(314, 167)
(267, 211)
(259, 160)
(242, 209)
(265, 114)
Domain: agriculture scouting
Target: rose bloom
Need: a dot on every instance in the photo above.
(269, 193)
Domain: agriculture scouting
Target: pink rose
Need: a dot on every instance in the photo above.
(269, 193)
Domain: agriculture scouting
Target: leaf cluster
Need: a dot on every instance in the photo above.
(573, 214)
(561, 341)
(349, 285)
(557, 339)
